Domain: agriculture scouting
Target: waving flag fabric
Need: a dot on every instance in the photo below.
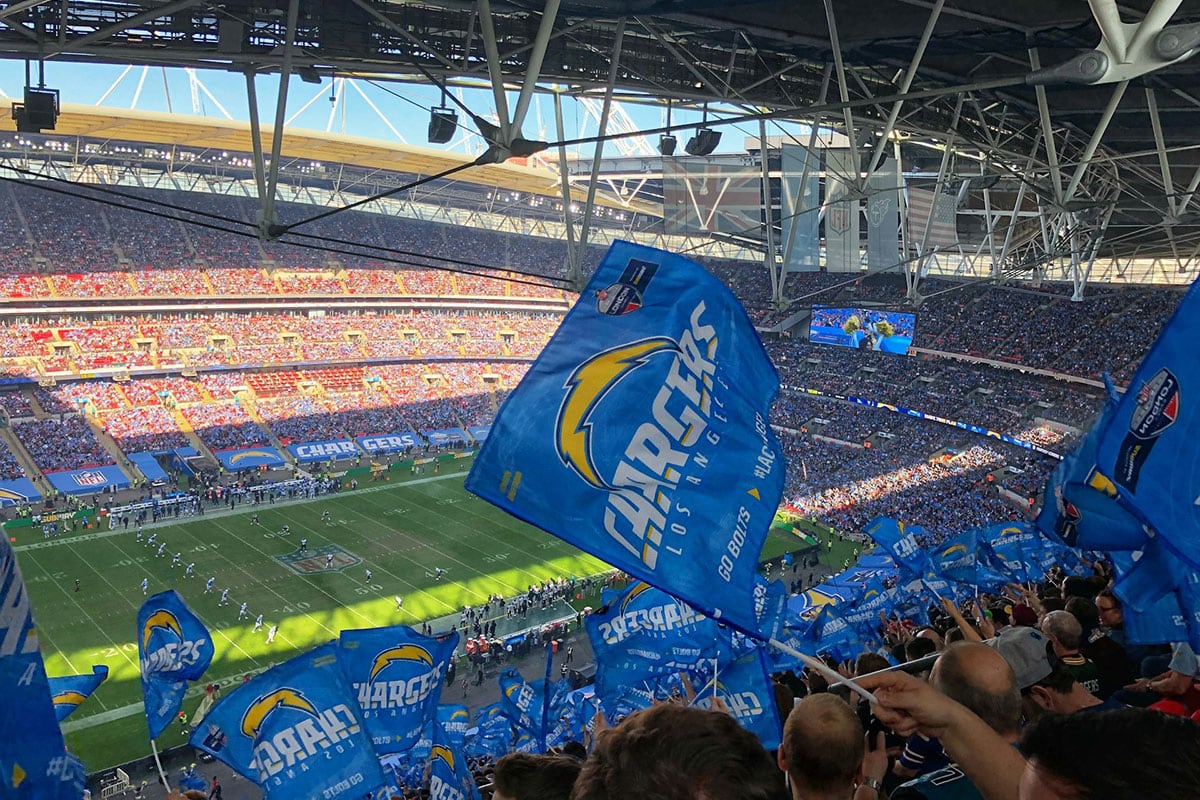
(744, 686)
(397, 675)
(957, 559)
(33, 761)
(295, 730)
(1149, 445)
(69, 691)
(174, 647)
(455, 721)
(645, 631)
(449, 774)
(658, 457)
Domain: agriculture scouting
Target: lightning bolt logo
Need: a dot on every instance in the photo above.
(443, 753)
(69, 698)
(954, 549)
(160, 620)
(407, 652)
(256, 715)
(588, 385)
(637, 590)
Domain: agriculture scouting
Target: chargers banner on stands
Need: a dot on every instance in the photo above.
(88, 481)
(250, 458)
(33, 761)
(455, 721)
(174, 647)
(333, 449)
(640, 435)
(445, 436)
(389, 442)
(862, 401)
(295, 730)
(479, 432)
(397, 674)
(69, 691)
(18, 492)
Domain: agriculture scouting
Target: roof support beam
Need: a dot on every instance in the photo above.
(267, 218)
(533, 67)
(576, 276)
(1164, 164)
(1047, 129)
(1085, 159)
(125, 24)
(487, 28)
(843, 89)
(905, 85)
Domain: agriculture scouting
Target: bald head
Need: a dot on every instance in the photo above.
(978, 677)
(822, 745)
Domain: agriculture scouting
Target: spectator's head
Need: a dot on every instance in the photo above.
(822, 749)
(919, 648)
(1064, 632)
(868, 663)
(1109, 609)
(1047, 685)
(677, 752)
(525, 776)
(1024, 616)
(1000, 615)
(1086, 757)
(982, 680)
(932, 635)
(1085, 611)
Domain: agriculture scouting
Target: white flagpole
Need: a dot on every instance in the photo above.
(162, 775)
(821, 667)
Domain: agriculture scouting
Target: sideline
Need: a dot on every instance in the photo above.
(241, 509)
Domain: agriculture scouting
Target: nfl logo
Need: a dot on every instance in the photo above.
(838, 218)
(89, 478)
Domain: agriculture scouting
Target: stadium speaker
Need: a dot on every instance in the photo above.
(38, 113)
(666, 144)
(704, 142)
(442, 122)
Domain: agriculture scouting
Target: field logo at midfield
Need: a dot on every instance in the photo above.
(313, 560)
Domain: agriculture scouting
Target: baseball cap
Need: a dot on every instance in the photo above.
(1024, 615)
(1025, 651)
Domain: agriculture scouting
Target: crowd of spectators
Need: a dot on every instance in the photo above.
(62, 443)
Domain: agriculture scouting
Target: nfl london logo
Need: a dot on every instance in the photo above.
(838, 218)
(89, 478)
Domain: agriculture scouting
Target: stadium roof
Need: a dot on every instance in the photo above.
(223, 135)
(1105, 141)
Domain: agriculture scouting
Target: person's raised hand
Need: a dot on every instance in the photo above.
(907, 705)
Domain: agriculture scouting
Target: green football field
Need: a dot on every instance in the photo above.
(400, 531)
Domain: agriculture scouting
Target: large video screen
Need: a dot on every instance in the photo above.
(863, 328)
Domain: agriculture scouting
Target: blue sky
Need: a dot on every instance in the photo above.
(386, 111)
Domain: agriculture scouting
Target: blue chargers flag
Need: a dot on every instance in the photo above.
(69, 691)
(900, 541)
(658, 457)
(744, 685)
(449, 774)
(957, 559)
(529, 704)
(34, 764)
(1148, 447)
(174, 647)
(1007, 544)
(645, 631)
(397, 675)
(1081, 506)
(455, 721)
(295, 731)
(1150, 608)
